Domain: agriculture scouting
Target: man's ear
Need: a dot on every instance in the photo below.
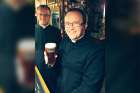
(86, 23)
(85, 26)
(35, 14)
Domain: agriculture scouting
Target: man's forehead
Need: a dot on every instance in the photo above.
(73, 15)
(45, 10)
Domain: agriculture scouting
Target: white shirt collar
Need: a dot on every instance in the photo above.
(44, 26)
(74, 41)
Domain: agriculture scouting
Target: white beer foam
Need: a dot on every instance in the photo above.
(26, 43)
(50, 45)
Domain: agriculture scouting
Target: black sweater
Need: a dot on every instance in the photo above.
(48, 35)
(80, 68)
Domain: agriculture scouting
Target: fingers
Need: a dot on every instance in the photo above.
(56, 55)
(44, 53)
(46, 58)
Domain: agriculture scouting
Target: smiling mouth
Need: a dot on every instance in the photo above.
(72, 32)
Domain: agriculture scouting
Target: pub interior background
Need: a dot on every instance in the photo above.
(95, 10)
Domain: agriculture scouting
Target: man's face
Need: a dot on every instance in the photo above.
(43, 16)
(74, 26)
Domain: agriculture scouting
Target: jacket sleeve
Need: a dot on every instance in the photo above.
(93, 74)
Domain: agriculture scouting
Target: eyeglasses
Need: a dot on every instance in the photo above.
(44, 15)
(74, 24)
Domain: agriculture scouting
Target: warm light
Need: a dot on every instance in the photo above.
(56, 4)
(65, 3)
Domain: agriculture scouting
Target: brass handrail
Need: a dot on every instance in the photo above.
(42, 82)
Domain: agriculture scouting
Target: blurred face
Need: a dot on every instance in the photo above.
(17, 3)
(43, 16)
(74, 26)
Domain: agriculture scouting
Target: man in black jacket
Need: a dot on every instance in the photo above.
(44, 33)
(80, 64)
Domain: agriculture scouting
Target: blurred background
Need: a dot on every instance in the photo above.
(122, 46)
(95, 10)
(16, 24)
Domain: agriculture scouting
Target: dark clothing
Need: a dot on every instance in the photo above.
(80, 66)
(13, 26)
(123, 47)
(123, 66)
(48, 35)
(122, 63)
(25, 22)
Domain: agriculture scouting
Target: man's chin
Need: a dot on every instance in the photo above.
(44, 24)
(73, 38)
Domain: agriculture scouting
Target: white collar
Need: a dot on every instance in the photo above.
(44, 26)
(74, 41)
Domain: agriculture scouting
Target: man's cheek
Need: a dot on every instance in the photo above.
(68, 31)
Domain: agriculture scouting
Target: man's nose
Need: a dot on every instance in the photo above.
(72, 28)
(71, 24)
(43, 17)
